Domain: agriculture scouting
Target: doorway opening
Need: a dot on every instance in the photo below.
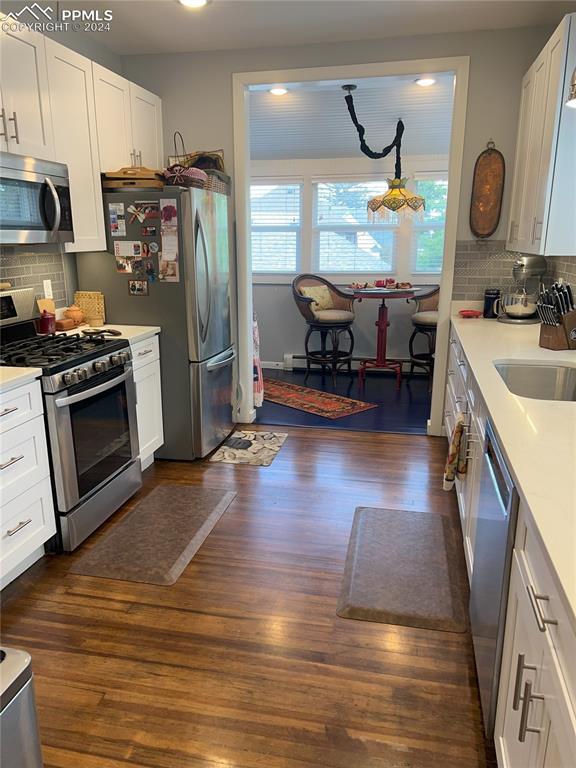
(303, 188)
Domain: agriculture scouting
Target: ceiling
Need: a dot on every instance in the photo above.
(312, 120)
(165, 26)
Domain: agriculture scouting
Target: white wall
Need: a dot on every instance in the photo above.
(196, 90)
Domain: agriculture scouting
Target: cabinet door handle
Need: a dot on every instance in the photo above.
(14, 119)
(541, 620)
(140, 157)
(21, 524)
(520, 667)
(132, 159)
(145, 352)
(512, 228)
(538, 228)
(527, 698)
(11, 461)
(4, 126)
(6, 411)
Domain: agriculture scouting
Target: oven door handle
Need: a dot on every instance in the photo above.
(62, 402)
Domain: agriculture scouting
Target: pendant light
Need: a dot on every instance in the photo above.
(397, 200)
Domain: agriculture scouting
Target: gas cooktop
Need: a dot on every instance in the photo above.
(58, 352)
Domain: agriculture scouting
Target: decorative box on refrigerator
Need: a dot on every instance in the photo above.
(168, 264)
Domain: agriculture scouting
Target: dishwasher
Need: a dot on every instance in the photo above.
(19, 739)
(495, 532)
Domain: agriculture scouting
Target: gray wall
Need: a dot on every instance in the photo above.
(196, 88)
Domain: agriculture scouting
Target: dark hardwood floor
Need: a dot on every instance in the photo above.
(243, 663)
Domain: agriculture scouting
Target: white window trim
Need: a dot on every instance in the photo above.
(309, 172)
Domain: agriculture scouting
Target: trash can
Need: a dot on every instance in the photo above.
(19, 738)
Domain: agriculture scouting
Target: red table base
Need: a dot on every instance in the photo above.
(380, 362)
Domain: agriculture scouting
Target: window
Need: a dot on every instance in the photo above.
(275, 227)
(428, 234)
(311, 222)
(344, 239)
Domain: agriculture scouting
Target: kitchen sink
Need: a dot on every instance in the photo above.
(541, 382)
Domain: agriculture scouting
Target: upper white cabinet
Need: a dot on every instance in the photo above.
(129, 122)
(112, 96)
(75, 142)
(26, 123)
(544, 187)
(146, 112)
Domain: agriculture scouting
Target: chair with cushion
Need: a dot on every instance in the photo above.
(328, 311)
(425, 321)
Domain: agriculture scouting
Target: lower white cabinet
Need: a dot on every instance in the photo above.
(146, 361)
(535, 722)
(27, 517)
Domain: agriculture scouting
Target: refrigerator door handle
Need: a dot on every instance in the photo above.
(200, 243)
(220, 363)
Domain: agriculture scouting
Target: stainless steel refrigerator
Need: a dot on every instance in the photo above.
(168, 264)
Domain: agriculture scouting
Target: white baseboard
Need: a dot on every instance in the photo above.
(267, 365)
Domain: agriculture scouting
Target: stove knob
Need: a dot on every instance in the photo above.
(82, 374)
(117, 359)
(100, 365)
(126, 357)
(70, 378)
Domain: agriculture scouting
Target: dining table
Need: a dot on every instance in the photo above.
(382, 361)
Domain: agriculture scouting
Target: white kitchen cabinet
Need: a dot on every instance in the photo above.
(129, 120)
(543, 185)
(535, 723)
(76, 142)
(146, 117)
(25, 97)
(147, 378)
(27, 518)
(112, 98)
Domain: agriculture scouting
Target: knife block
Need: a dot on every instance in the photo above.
(561, 336)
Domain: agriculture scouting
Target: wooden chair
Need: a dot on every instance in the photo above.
(328, 311)
(425, 321)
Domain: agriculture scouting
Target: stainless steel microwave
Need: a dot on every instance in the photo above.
(34, 201)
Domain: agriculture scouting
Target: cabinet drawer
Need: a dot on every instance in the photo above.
(20, 405)
(541, 581)
(144, 352)
(457, 359)
(23, 460)
(27, 522)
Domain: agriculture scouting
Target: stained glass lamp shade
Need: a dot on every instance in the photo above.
(397, 200)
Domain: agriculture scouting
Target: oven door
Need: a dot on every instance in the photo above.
(35, 202)
(93, 434)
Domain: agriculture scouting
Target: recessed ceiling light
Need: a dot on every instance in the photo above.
(279, 91)
(193, 3)
(425, 81)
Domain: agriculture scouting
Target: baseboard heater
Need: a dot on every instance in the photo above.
(290, 362)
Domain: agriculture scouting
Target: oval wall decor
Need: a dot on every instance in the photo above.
(487, 190)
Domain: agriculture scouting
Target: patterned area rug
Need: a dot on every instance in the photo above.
(312, 400)
(256, 448)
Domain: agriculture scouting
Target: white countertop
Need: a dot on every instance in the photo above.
(538, 437)
(10, 378)
(133, 333)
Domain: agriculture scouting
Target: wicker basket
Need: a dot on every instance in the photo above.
(218, 182)
(92, 304)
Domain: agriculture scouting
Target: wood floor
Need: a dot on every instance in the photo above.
(243, 663)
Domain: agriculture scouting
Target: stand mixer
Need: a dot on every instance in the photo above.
(518, 306)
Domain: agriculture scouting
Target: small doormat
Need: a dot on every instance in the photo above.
(312, 400)
(404, 568)
(157, 540)
(256, 448)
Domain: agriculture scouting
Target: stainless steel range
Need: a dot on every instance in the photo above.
(90, 405)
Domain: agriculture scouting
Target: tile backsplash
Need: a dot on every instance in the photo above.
(481, 264)
(28, 268)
